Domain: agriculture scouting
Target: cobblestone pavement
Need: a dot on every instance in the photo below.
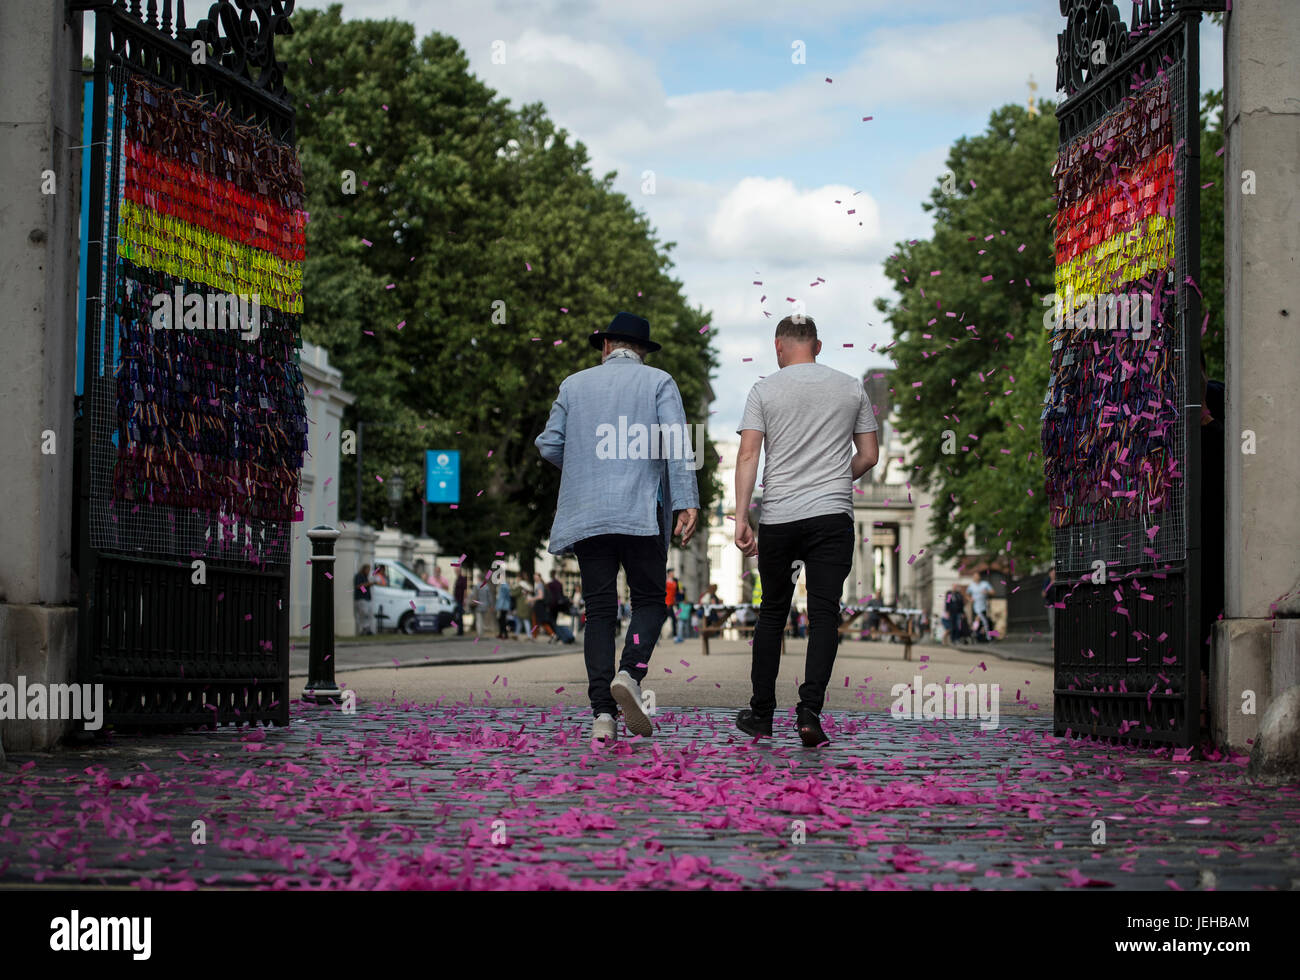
(466, 796)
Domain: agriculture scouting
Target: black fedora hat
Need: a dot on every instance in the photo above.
(625, 326)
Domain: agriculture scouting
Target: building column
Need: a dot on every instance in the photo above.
(906, 572)
(1258, 642)
(40, 184)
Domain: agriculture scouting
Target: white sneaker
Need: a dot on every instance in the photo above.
(627, 692)
(604, 728)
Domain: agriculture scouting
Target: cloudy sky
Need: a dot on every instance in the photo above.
(757, 160)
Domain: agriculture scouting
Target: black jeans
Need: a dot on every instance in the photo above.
(646, 562)
(825, 546)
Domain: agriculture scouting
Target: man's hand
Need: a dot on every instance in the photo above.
(686, 523)
(745, 539)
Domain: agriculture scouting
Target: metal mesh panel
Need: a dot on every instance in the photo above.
(141, 528)
(1159, 537)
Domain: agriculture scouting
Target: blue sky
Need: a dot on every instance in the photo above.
(750, 151)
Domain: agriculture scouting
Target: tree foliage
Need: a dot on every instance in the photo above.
(972, 353)
(463, 208)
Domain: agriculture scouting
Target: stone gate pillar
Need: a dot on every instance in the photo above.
(40, 183)
(1258, 642)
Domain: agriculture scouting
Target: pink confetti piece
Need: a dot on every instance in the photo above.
(367, 242)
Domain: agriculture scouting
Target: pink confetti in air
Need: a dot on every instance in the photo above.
(867, 118)
(367, 242)
(564, 309)
(401, 325)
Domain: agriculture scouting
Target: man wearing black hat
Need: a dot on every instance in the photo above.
(619, 435)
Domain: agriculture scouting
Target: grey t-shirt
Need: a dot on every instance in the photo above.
(808, 414)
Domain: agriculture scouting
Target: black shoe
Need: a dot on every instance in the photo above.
(810, 729)
(752, 724)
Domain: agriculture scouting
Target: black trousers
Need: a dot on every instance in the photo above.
(825, 546)
(645, 560)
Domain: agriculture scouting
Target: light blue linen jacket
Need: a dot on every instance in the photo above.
(615, 495)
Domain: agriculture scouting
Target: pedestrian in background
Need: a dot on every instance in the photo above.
(504, 608)
(578, 609)
(523, 607)
(556, 600)
(708, 600)
(541, 608)
(671, 589)
(362, 610)
(458, 596)
(484, 608)
(953, 607)
(979, 592)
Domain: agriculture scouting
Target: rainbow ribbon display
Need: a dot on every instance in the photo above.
(211, 415)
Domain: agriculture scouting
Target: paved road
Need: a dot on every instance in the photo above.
(405, 795)
(392, 650)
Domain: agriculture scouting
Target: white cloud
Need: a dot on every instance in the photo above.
(771, 221)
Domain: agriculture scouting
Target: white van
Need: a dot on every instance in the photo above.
(407, 604)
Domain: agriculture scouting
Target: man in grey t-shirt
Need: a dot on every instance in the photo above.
(818, 428)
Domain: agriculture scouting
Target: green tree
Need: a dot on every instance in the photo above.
(476, 239)
(970, 352)
(972, 356)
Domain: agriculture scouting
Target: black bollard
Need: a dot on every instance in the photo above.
(321, 688)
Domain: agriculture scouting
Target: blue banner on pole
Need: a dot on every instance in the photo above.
(442, 476)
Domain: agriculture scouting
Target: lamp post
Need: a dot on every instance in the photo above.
(321, 688)
(396, 487)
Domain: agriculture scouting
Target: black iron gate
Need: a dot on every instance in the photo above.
(191, 427)
(1122, 413)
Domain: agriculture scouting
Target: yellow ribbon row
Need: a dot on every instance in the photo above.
(181, 249)
(1126, 257)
